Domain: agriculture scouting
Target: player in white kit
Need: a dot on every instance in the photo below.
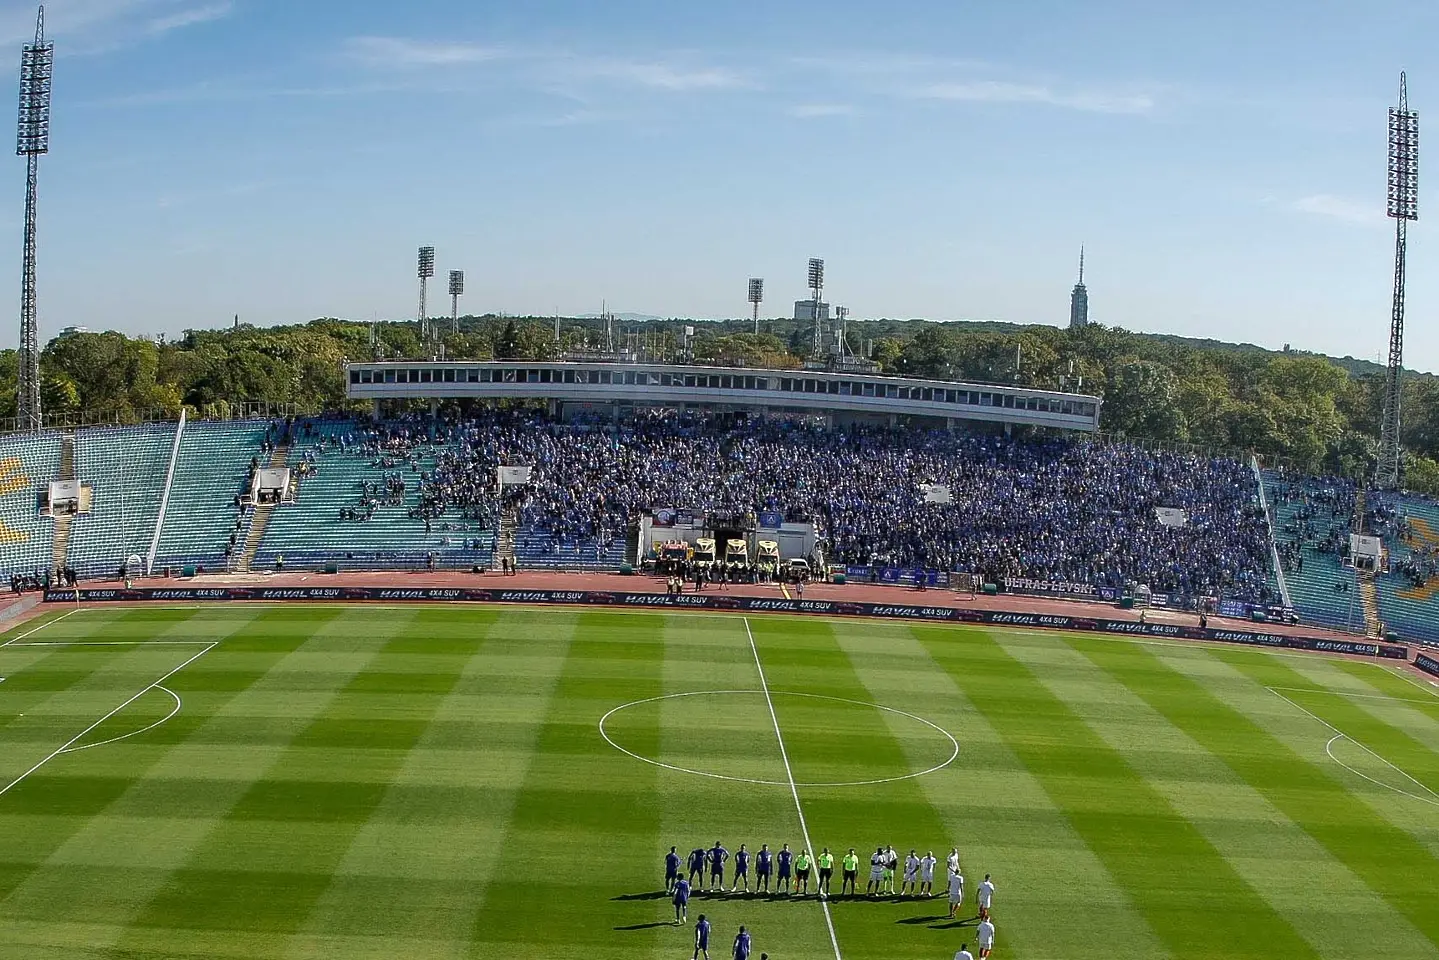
(911, 874)
(876, 872)
(956, 893)
(926, 873)
(964, 953)
(985, 933)
(952, 861)
(986, 897)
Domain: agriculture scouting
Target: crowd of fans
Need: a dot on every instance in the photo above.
(1044, 509)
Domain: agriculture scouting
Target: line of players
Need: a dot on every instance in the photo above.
(918, 879)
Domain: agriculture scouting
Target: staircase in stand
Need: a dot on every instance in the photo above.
(505, 543)
(1368, 596)
(279, 456)
(1369, 599)
(60, 546)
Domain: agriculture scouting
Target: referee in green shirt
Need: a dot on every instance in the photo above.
(851, 871)
(801, 872)
(826, 870)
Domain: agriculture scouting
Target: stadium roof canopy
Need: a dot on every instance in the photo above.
(772, 391)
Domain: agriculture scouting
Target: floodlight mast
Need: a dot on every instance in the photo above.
(426, 271)
(457, 287)
(756, 297)
(1403, 207)
(816, 287)
(37, 66)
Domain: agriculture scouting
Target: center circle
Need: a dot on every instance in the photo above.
(607, 732)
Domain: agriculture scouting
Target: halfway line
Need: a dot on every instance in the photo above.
(789, 775)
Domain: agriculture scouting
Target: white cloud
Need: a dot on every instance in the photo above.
(82, 27)
(998, 91)
(662, 76)
(808, 110)
(400, 52)
(189, 17)
(1346, 209)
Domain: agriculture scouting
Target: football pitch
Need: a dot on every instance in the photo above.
(465, 781)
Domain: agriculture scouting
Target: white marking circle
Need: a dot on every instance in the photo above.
(780, 783)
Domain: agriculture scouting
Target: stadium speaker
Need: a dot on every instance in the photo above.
(991, 589)
(839, 578)
(332, 567)
(188, 570)
(627, 569)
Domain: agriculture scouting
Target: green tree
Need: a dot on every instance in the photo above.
(1142, 401)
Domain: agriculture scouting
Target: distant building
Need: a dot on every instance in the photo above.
(71, 331)
(1079, 300)
(805, 310)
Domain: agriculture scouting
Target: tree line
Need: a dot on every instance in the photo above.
(1312, 412)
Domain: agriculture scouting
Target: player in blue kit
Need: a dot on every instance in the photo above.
(763, 865)
(672, 870)
(702, 938)
(717, 857)
(741, 869)
(785, 858)
(697, 865)
(681, 900)
(741, 945)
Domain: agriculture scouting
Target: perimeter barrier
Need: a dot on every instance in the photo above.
(694, 601)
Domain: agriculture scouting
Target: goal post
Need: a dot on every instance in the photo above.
(963, 583)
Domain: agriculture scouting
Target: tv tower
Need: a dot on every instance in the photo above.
(1079, 300)
(427, 270)
(1403, 207)
(37, 66)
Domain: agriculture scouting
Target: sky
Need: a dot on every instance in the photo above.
(1223, 163)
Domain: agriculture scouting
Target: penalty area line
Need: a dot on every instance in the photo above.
(66, 746)
(37, 629)
(1432, 799)
(789, 775)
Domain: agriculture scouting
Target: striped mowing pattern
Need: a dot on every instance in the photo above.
(432, 782)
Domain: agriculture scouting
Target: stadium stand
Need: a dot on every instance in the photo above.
(1409, 591)
(210, 472)
(359, 502)
(125, 468)
(408, 492)
(26, 463)
(1313, 517)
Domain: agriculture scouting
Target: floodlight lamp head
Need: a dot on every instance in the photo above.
(816, 273)
(37, 67)
(1404, 163)
(457, 282)
(427, 262)
(756, 289)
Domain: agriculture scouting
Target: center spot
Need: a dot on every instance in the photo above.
(729, 735)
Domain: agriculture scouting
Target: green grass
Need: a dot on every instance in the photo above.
(431, 782)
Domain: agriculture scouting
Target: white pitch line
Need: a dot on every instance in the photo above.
(789, 774)
(73, 740)
(1404, 675)
(1341, 735)
(1345, 693)
(134, 733)
(39, 628)
(778, 783)
(114, 643)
